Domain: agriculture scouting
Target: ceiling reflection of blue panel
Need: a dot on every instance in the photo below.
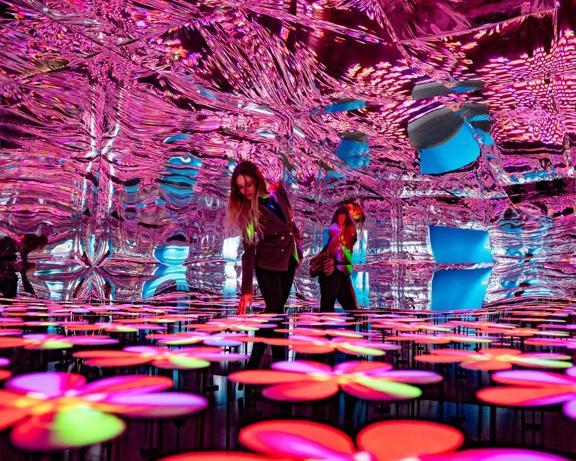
(345, 105)
(457, 152)
(175, 275)
(354, 150)
(459, 288)
(177, 137)
(451, 245)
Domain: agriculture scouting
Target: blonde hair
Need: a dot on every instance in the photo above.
(243, 215)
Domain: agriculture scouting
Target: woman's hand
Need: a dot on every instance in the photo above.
(245, 303)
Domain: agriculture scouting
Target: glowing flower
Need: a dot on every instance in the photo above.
(161, 357)
(194, 337)
(495, 359)
(240, 323)
(528, 388)
(303, 380)
(318, 345)
(47, 341)
(322, 319)
(410, 326)
(321, 332)
(4, 374)
(570, 343)
(440, 338)
(52, 411)
(400, 440)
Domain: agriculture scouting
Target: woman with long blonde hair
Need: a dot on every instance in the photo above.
(262, 214)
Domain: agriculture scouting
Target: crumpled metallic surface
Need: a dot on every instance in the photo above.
(120, 122)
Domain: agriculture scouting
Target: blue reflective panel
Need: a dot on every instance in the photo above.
(177, 137)
(458, 151)
(165, 274)
(354, 152)
(171, 255)
(345, 105)
(207, 93)
(55, 289)
(431, 89)
(455, 245)
(230, 248)
(185, 161)
(459, 289)
(361, 284)
(133, 188)
(360, 248)
(332, 174)
(179, 179)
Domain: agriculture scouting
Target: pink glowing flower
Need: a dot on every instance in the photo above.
(322, 319)
(297, 440)
(318, 345)
(47, 341)
(161, 357)
(194, 337)
(53, 411)
(570, 343)
(320, 332)
(303, 380)
(527, 388)
(495, 359)
(4, 374)
(237, 323)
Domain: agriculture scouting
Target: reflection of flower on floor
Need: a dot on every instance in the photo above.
(528, 388)
(319, 345)
(4, 374)
(495, 359)
(49, 341)
(570, 343)
(320, 332)
(298, 440)
(182, 338)
(306, 380)
(53, 411)
(322, 319)
(411, 326)
(438, 339)
(161, 357)
(233, 324)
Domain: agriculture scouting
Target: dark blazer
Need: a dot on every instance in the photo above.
(275, 241)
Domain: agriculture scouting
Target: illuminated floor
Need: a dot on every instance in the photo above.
(161, 380)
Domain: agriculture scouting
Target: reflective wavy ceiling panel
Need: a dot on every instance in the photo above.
(121, 120)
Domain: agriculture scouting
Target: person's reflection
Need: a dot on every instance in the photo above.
(10, 265)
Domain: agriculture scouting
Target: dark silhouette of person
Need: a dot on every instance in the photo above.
(10, 265)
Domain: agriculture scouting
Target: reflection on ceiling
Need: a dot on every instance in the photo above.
(121, 121)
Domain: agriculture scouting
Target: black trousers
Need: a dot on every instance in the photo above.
(337, 287)
(275, 287)
(8, 279)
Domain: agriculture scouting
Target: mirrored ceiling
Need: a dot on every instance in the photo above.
(121, 121)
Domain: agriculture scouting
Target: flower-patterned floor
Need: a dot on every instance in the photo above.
(174, 381)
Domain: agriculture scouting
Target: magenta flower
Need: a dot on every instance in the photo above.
(161, 357)
(527, 388)
(53, 411)
(305, 380)
(401, 440)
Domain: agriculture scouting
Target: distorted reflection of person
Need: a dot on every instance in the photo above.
(335, 282)
(262, 214)
(11, 265)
